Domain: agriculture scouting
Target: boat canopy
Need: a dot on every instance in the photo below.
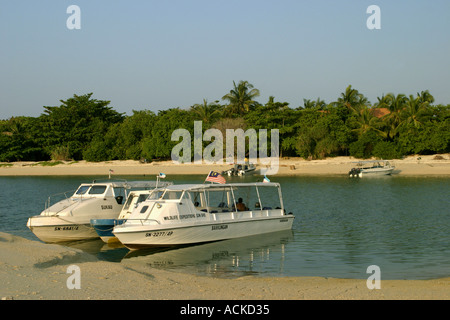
(193, 187)
(374, 163)
(370, 161)
(258, 194)
(131, 184)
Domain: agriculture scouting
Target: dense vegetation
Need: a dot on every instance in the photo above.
(85, 128)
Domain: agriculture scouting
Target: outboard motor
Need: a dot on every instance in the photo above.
(354, 173)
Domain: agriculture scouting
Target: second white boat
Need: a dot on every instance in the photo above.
(196, 213)
(70, 219)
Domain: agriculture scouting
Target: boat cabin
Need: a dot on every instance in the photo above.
(99, 190)
(210, 202)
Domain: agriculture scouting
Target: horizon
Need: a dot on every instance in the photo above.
(155, 56)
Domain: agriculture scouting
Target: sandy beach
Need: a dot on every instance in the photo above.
(432, 165)
(34, 270)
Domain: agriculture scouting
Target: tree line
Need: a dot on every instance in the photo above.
(83, 128)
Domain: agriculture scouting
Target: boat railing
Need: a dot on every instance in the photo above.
(48, 201)
(142, 220)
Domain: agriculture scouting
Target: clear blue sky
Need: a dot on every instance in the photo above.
(156, 55)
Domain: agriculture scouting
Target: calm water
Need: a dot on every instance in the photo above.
(342, 226)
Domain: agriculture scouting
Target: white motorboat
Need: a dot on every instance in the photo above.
(371, 168)
(241, 169)
(69, 219)
(104, 227)
(197, 213)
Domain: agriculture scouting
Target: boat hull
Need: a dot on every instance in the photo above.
(145, 236)
(376, 172)
(53, 230)
(104, 228)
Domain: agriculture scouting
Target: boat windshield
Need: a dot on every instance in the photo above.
(82, 190)
(132, 197)
(97, 190)
(172, 195)
(155, 195)
(93, 190)
(129, 200)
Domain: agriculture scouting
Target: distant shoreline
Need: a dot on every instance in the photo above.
(430, 165)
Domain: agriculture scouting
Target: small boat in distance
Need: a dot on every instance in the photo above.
(371, 168)
(240, 169)
(198, 213)
(70, 218)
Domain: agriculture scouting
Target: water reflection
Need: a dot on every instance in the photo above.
(112, 252)
(261, 254)
(228, 258)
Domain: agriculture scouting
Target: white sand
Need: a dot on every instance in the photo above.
(426, 166)
(34, 270)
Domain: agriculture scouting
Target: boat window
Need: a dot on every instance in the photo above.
(219, 198)
(119, 191)
(144, 208)
(195, 198)
(155, 195)
(129, 200)
(270, 198)
(172, 195)
(82, 190)
(141, 198)
(97, 190)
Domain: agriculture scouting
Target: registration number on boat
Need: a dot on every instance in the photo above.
(159, 234)
(66, 228)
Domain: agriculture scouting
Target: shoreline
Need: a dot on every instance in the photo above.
(433, 165)
(32, 270)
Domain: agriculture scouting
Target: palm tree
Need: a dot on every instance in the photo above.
(206, 112)
(319, 104)
(352, 99)
(395, 104)
(415, 110)
(425, 96)
(366, 121)
(240, 98)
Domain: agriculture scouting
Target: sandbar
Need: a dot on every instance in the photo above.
(32, 270)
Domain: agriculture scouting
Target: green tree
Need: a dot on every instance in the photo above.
(415, 111)
(206, 112)
(363, 147)
(321, 134)
(392, 121)
(386, 150)
(158, 145)
(240, 98)
(319, 104)
(352, 100)
(364, 121)
(76, 122)
(123, 140)
(275, 115)
(18, 140)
